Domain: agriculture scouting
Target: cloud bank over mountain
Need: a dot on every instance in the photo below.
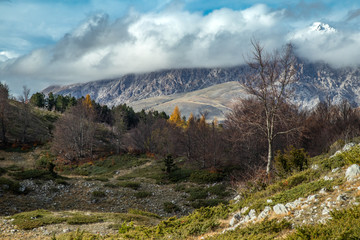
(174, 37)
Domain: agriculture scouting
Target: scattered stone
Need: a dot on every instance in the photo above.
(235, 219)
(312, 197)
(336, 187)
(352, 172)
(335, 170)
(280, 209)
(265, 212)
(66, 230)
(269, 201)
(342, 197)
(243, 210)
(327, 178)
(291, 205)
(252, 214)
(315, 167)
(323, 191)
(237, 198)
(348, 146)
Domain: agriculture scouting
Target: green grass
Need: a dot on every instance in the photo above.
(38, 218)
(108, 166)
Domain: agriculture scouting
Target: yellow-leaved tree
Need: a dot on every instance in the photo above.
(87, 101)
(175, 117)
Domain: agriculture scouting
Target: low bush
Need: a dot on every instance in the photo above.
(33, 174)
(199, 203)
(170, 207)
(9, 185)
(83, 219)
(132, 185)
(98, 194)
(206, 176)
(345, 224)
(2, 171)
(290, 160)
(265, 230)
(143, 194)
(179, 175)
(143, 213)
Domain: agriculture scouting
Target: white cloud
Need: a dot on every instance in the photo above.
(102, 47)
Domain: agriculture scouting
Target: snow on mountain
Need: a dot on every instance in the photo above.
(318, 81)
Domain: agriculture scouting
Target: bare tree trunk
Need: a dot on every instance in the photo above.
(269, 158)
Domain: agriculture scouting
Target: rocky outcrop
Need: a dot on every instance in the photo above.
(352, 172)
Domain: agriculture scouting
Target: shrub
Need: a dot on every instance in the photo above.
(98, 194)
(207, 203)
(8, 185)
(2, 171)
(34, 174)
(143, 213)
(170, 207)
(206, 176)
(132, 185)
(179, 175)
(142, 194)
(169, 164)
(352, 156)
(291, 160)
(83, 219)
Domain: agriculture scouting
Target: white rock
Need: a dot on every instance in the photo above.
(269, 201)
(342, 197)
(252, 214)
(265, 212)
(335, 170)
(235, 219)
(352, 172)
(348, 146)
(237, 198)
(243, 210)
(322, 191)
(326, 178)
(313, 197)
(291, 205)
(315, 167)
(280, 209)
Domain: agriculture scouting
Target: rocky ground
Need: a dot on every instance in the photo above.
(314, 209)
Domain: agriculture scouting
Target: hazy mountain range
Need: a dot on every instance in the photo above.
(212, 90)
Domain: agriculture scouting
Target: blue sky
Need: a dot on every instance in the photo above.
(62, 42)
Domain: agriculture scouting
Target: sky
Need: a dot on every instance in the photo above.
(55, 42)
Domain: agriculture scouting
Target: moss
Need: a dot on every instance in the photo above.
(34, 219)
(83, 219)
(143, 213)
(206, 176)
(34, 174)
(9, 185)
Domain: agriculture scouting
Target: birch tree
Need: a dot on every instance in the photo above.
(269, 83)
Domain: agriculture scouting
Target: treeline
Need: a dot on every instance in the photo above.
(81, 130)
(238, 142)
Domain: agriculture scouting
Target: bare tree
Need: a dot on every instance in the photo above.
(269, 83)
(74, 135)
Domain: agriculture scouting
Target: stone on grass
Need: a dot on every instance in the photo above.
(280, 209)
(352, 172)
(252, 214)
(265, 212)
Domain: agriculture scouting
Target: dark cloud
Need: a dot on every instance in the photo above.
(353, 14)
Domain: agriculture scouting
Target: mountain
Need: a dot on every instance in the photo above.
(162, 90)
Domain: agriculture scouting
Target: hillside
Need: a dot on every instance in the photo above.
(321, 202)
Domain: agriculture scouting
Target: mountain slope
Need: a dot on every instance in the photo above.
(318, 82)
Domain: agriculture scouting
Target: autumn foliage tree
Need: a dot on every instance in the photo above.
(175, 117)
